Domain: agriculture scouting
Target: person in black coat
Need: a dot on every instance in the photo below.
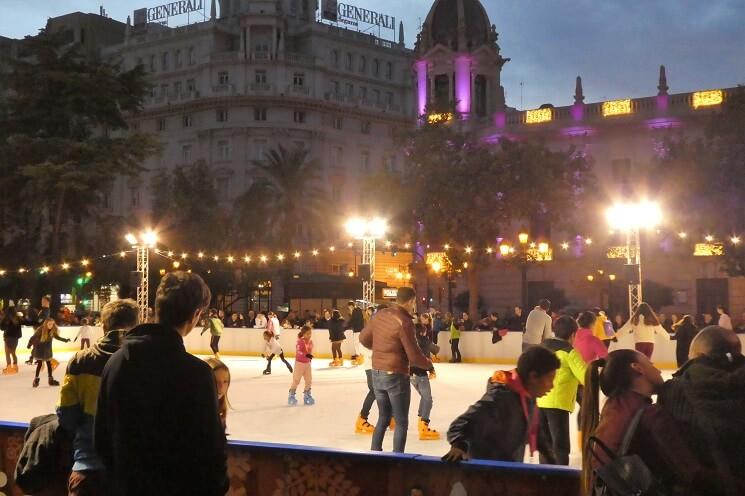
(356, 323)
(157, 427)
(685, 331)
(498, 426)
(336, 336)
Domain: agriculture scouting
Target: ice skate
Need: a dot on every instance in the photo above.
(267, 372)
(308, 399)
(10, 370)
(36, 382)
(425, 433)
(53, 382)
(435, 359)
(362, 426)
(291, 400)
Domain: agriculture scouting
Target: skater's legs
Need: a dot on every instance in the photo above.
(7, 354)
(49, 367)
(85, 343)
(298, 374)
(384, 415)
(282, 357)
(555, 428)
(10, 351)
(393, 395)
(336, 349)
(356, 343)
(423, 387)
(269, 362)
(38, 368)
(370, 398)
(307, 376)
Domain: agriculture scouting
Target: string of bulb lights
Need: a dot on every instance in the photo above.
(504, 248)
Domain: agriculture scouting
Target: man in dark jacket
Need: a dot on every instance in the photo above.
(390, 334)
(707, 397)
(157, 427)
(505, 419)
(356, 322)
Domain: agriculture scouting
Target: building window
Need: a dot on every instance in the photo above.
(164, 60)
(298, 79)
(350, 90)
(365, 127)
(191, 86)
(338, 122)
(334, 87)
(376, 96)
(376, 67)
(192, 56)
(260, 114)
(298, 116)
(350, 62)
(186, 153)
(260, 149)
(134, 197)
(178, 60)
(389, 70)
(139, 61)
(222, 186)
(177, 88)
(187, 120)
(337, 157)
(222, 115)
(260, 76)
(161, 124)
(223, 150)
(335, 58)
(164, 90)
(106, 200)
(223, 77)
(363, 64)
(300, 145)
(365, 161)
(389, 98)
(363, 92)
(152, 63)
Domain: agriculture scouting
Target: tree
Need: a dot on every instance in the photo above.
(466, 192)
(63, 134)
(287, 195)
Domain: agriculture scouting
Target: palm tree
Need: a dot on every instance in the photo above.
(289, 194)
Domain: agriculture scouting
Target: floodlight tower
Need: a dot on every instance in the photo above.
(142, 244)
(367, 230)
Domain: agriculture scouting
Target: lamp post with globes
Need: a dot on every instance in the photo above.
(632, 218)
(367, 230)
(527, 253)
(142, 243)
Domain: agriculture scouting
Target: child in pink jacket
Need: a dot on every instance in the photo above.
(585, 342)
(303, 369)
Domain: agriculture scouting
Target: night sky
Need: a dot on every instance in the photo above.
(615, 45)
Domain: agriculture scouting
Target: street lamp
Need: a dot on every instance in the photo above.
(367, 230)
(632, 218)
(142, 244)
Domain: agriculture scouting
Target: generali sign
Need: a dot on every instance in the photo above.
(351, 14)
(161, 12)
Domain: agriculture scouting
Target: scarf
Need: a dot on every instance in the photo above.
(512, 381)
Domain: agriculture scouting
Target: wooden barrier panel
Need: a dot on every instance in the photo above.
(260, 469)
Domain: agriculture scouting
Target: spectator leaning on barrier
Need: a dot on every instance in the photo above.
(157, 427)
(538, 325)
(76, 407)
(498, 426)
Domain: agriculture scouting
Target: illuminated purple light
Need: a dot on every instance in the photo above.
(500, 120)
(463, 84)
(662, 102)
(421, 72)
(578, 112)
(663, 123)
(578, 131)
(492, 139)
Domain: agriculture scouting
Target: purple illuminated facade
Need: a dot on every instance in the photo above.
(421, 87)
(463, 84)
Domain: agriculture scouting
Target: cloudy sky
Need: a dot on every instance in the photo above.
(615, 45)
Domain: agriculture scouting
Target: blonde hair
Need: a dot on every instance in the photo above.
(46, 333)
(223, 404)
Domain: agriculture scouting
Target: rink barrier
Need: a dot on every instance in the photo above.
(268, 469)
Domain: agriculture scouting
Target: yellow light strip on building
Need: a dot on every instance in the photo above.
(708, 250)
(538, 115)
(617, 252)
(617, 107)
(707, 98)
(537, 255)
(435, 118)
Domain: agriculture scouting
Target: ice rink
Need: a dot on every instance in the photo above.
(260, 411)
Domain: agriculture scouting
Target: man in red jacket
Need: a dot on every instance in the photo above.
(391, 336)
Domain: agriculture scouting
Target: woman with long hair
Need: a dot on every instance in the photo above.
(222, 384)
(12, 327)
(685, 330)
(644, 324)
(629, 380)
(336, 335)
(42, 352)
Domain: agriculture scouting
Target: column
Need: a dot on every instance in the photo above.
(463, 84)
(421, 77)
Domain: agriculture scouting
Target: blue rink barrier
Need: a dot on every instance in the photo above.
(267, 469)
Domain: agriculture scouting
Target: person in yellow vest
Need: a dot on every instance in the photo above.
(600, 328)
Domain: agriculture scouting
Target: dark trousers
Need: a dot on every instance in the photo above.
(281, 357)
(40, 363)
(89, 483)
(393, 395)
(215, 344)
(555, 430)
(85, 343)
(370, 398)
(455, 350)
(336, 349)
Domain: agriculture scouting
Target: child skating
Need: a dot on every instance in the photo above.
(42, 352)
(303, 369)
(420, 380)
(215, 326)
(272, 349)
(85, 333)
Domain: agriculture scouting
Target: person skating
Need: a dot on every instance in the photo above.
(215, 326)
(303, 368)
(336, 336)
(85, 333)
(644, 325)
(42, 352)
(12, 330)
(356, 323)
(272, 349)
(455, 330)
(43, 314)
(362, 426)
(420, 380)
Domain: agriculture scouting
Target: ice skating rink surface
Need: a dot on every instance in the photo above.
(260, 411)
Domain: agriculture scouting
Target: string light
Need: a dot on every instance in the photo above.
(170, 253)
(588, 241)
(315, 253)
(231, 259)
(350, 244)
(216, 258)
(565, 246)
(296, 254)
(65, 266)
(682, 235)
(280, 257)
(407, 245)
(247, 259)
(2, 272)
(122, 254)
(465, 265)
(332, 249)
(735, 240)
(709, 238)
(84, 262)
(200, 255)
(263, 258)
(469, 250)
(184, 255)
(489, 251)
(21, 270)
(447, 247)
(44, 269)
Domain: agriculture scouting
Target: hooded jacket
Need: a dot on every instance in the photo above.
(570, 375)
(497, 426)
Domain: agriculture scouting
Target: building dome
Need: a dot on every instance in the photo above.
(461, 25)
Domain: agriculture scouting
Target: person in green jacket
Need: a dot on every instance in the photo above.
(215, 326)
(559, 403)
(454, 343)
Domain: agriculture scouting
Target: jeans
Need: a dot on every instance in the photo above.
(455, 350)
(555, 429)
(393, 395)
(422, 386)
(370, 398)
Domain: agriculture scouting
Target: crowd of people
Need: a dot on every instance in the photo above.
(688, 442)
